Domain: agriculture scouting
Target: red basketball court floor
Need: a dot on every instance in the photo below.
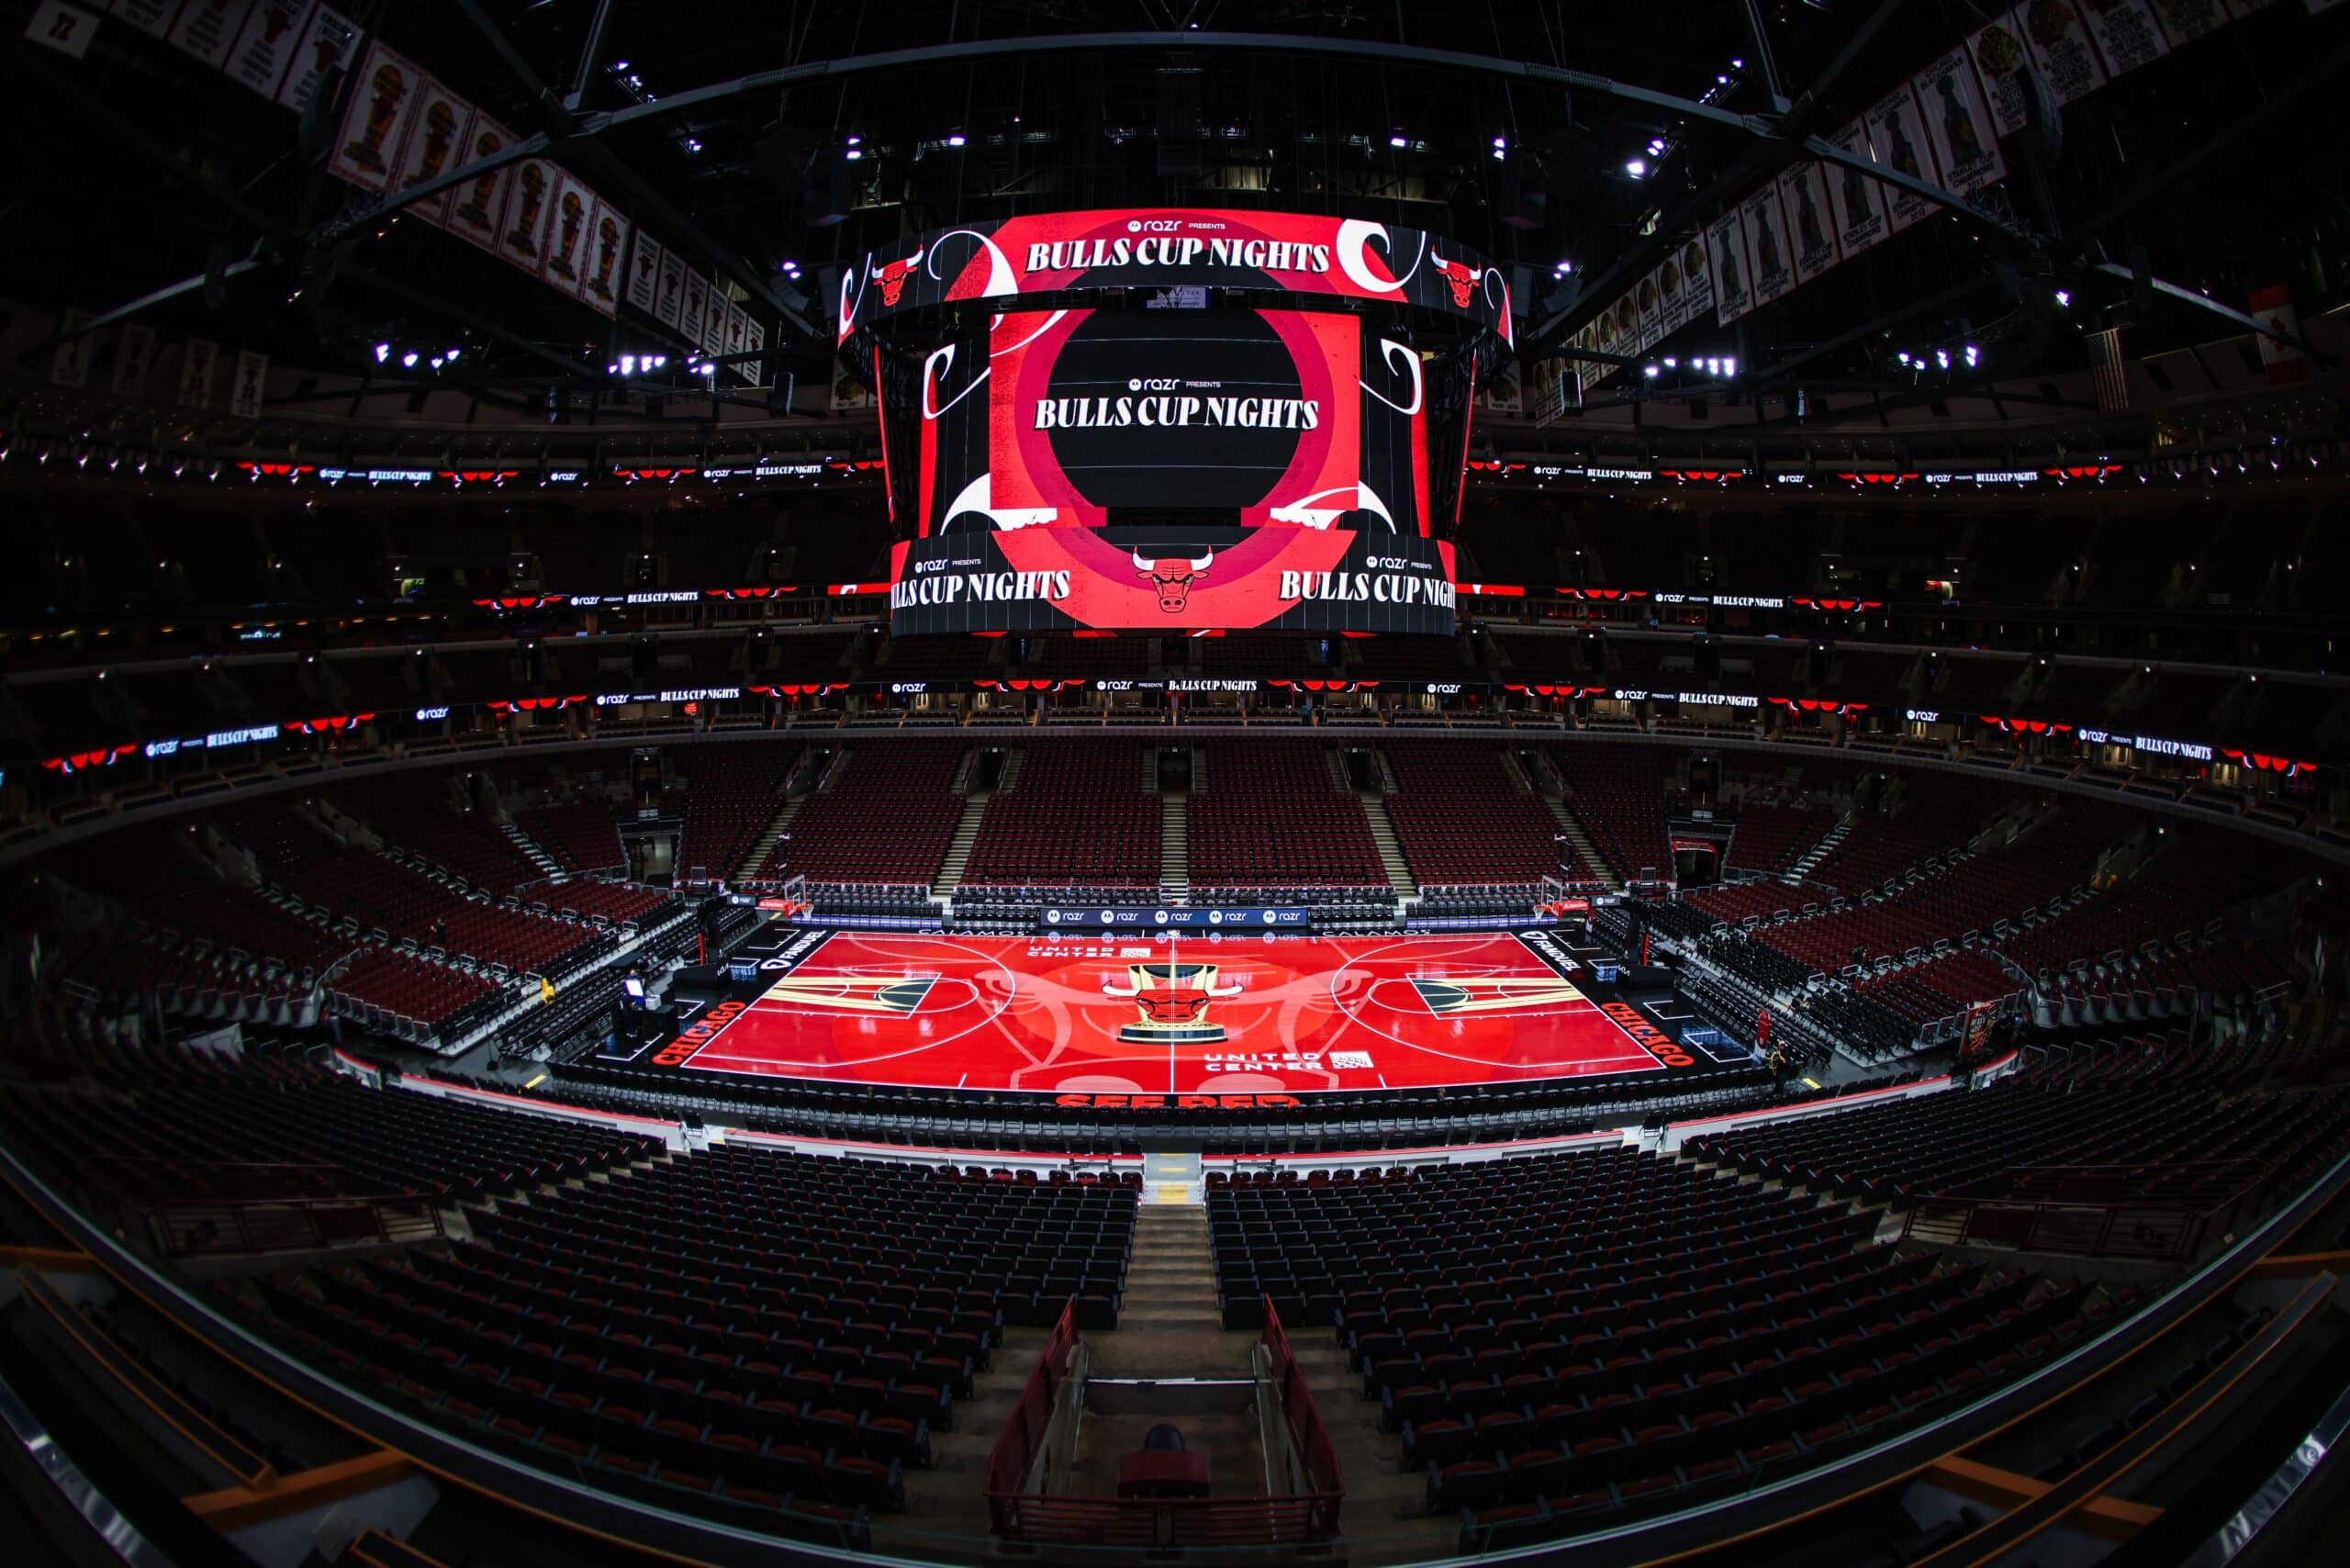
(1127, 1014)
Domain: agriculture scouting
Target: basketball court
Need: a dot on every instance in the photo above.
(1216, 1014)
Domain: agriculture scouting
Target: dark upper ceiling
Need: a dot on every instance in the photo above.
(137, 168)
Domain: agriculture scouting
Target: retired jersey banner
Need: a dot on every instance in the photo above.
(1802, 196)
(1159, 248)
(70, 365)
(753, 371)
(376, 122)
(2183, 21)
(713, 319)
(152, 17)
(1897, 139)
(1857, 199)
(1958, 122)
(197, 360)
(1726, 250)
(253, 378)
(132, 358)
(1770, 268)
(669, 301)
(2000, 57)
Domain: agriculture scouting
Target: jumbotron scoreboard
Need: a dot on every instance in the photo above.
(1171, 419)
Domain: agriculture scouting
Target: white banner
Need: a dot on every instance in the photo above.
(601, 279)
(2000, 58)
(70, 366)
(264, 49)
(567, 245)
(1857, 200)
(754, 340)
(326, 43)
(1725, 249)
(1647, 308)
(1672, 293)
(245, 392)
(644, 273)
(693, 313)
(668, 304)
(63, 27)
(1958, 122)
(208, 30)
(738, 338)
(1898, 138)
(1696, 280)
(2184, 21)
(1770, 262)
(522, 228)
(150, 16)
(375, 123)
(437, 130)
(1811, 216)
(2126, 34)
(133, 357)
(2060, 47)
(197, 359)
(475, 206)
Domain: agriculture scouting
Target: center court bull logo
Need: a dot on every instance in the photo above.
(1173, 1000)
(1172, 579)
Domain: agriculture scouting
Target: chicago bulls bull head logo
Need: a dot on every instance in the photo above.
(1462, 279)
(1172, 579)
(1173, 1000)
(892, 276)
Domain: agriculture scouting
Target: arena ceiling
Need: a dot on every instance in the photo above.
(767, 139)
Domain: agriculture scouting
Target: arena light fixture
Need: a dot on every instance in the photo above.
(383, 352)
(1397, 139)
(1729, 367)
(407, 360)
(955, 138)
(1649, 371)
(1636, 167)
(2064, 298)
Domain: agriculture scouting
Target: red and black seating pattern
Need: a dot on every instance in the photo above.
(1461, 820)
(1270, 814)
(1620, 1331)
(753, 1335)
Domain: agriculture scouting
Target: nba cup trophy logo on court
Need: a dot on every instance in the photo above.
(1173, 1000)
(390, 87)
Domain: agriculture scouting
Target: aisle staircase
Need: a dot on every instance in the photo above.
(1174, 846)
(1811, 858)
(530, 849)
(958, 850)
(1382, 838)
(764, 860)
(1585, 850)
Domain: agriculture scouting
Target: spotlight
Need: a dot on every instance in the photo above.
(2064, 298)
(1729, 367)
(1973, 354)
(613, 368)
(856, 140)
(1399, 139)
(628, 364)
(1649, 371)
(1942, 358)
(408, 359)
(451, 357)
(1671, 362)
(854, 154)
(1564, 267)
(955, 138)
(1636, 167)
(383, 352)
(1904, 356)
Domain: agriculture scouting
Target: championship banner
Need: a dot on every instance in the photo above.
(476, 206)
(669, 305)
(1648, 303)
(523, 227)
(265, 47)
(566, 242)
(1999, 57)
(70, 365)
(2060, 48)
(1858, 201)
(326, 42)
(1899, 141)
(2183, 21)
(132, 358)
(436, 129)
(1769, 269)
(197, 360)
(1289, 580)
(643, 291)
(208, 30)
(152, 17)
(600, 280)
(375, 121)
(1803, 195)
(2126, 34)
(1162, 248)
(1726, 250)
(1958, 122)
(245, 391)
(1672, 294)
(1696, 280)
